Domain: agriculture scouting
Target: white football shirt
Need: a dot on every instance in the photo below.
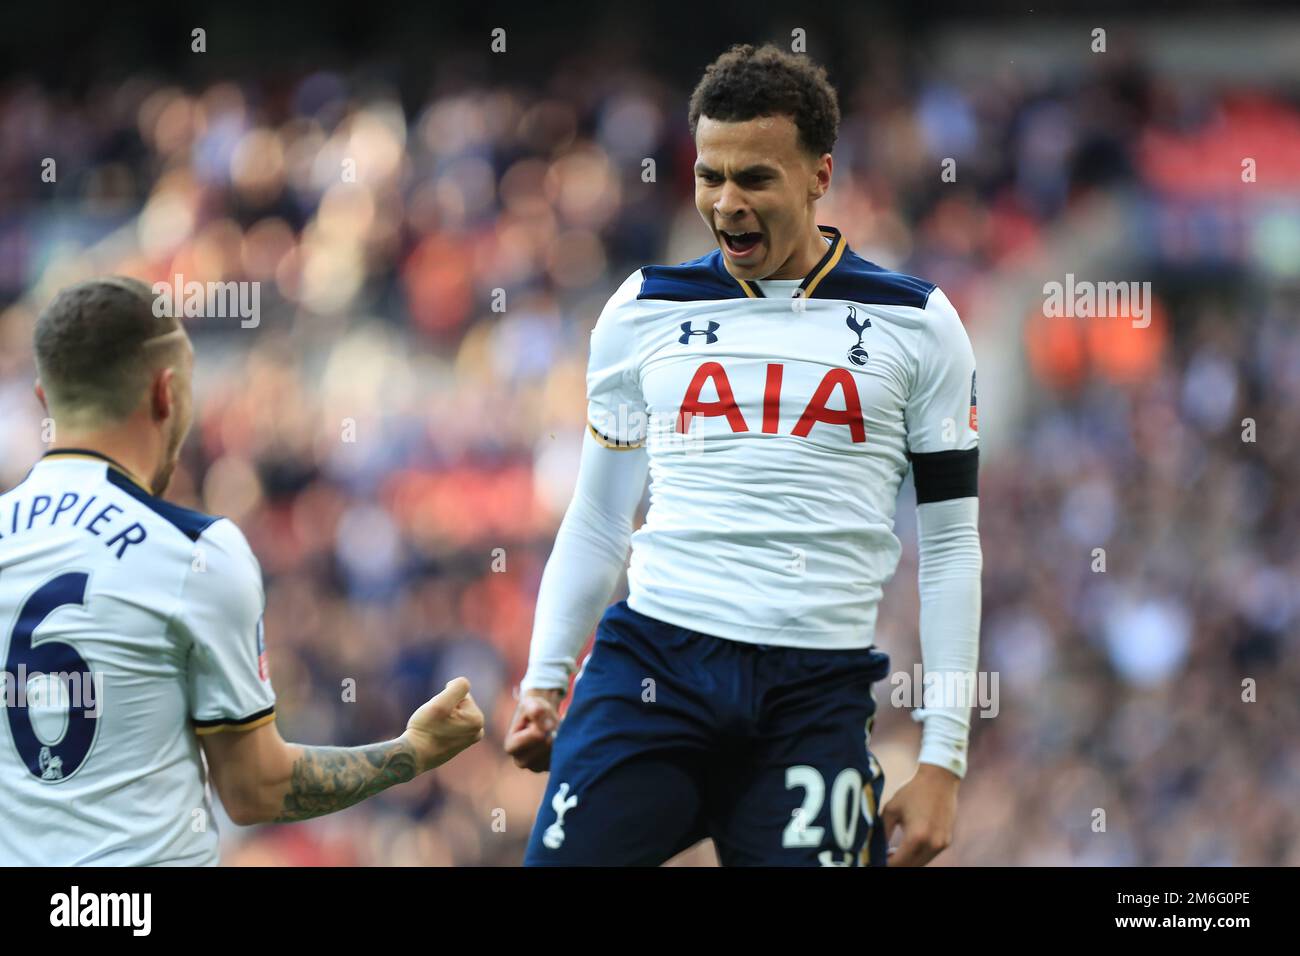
(780, 418)
(150, 615)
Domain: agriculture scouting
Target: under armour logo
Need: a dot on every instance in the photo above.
(857, 354)
(687, 332)
(561, 803)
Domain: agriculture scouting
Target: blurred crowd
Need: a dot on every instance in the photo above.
(398, 433)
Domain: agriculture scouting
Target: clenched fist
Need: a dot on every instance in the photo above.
(445, 725)
(533, 728)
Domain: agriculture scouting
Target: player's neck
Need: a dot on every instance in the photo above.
(804, 259)
(120, 443)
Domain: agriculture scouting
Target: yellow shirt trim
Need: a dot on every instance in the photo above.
(219, 728)
(609, 444)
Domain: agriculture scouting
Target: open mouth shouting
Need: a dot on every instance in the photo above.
(741, 246)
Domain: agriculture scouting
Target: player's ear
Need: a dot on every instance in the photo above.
(822, 175)
(162, 400)
(40, 396)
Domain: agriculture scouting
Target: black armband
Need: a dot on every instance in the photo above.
(941, 475)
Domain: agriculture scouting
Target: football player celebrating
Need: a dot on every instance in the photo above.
(133, 627)
(776, 391)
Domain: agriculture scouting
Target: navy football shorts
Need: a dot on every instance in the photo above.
(673, 736)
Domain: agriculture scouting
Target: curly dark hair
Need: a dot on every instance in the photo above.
(745, 83)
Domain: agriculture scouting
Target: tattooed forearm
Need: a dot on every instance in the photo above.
(326, 779)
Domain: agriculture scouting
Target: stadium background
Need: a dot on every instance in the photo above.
(522, 171)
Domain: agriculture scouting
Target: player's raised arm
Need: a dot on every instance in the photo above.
(591, 545)
(259, 777)
(263, 779)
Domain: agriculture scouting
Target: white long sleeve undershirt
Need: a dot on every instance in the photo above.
(948, 577)
(590, 553)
